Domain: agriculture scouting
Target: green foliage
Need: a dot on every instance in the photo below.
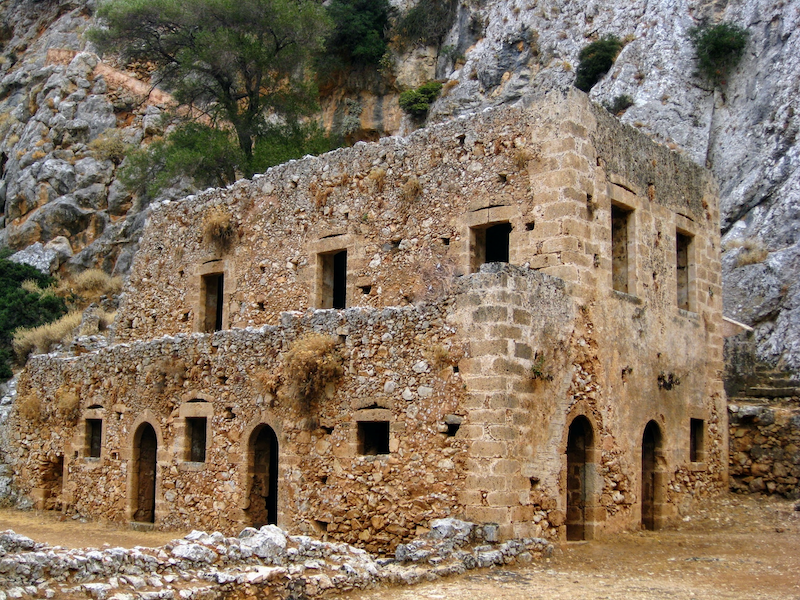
(21, 307)
(281, 143)
(620, 103)
(595, 61)
(210, 157)
(358, 35)
(417, 102)
(427, 22)
(239, 60)
(718, 48)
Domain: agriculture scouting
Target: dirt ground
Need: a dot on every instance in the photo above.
(736, 547)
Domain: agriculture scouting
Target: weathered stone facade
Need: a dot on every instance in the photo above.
(575, 390)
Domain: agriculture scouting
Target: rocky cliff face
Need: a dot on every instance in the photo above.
(52, 106)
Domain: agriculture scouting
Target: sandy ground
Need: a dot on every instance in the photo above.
(736, 547)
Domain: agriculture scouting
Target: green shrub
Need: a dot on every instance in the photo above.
(358, 30)
(428, 22)
(417, 102)
(618, 104)
(595, 61)
(109, 145)
(20, 307)
(211, 157)
(718, 49)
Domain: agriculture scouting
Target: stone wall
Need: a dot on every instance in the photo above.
(573, 391)
(765, 448)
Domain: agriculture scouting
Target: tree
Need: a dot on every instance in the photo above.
(359, 26)
(242, 62)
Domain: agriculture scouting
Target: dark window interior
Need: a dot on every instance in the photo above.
(334, 280)
(696, 434)
(214, 288)
(619, 248)
(373, 437)
(196, 439)
(497, 243)
(682, 263)
(94, 436)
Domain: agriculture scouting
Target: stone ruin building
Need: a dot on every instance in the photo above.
(512, 318)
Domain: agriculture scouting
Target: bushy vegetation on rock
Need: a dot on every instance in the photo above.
(718, 49)
(359, 31)
(417, 102)
(595, 61)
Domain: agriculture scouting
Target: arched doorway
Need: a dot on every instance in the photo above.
(263, 472)
(145, 451)
(651, 480)
(580, 442)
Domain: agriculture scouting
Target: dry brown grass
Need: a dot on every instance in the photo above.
(30, 408)
(310, 364)
(109, 145)
(378, 177)
(448, 87)
(68, 403)
(439, 357)
(411, 189)
(219, 227)
(752, 251)
(88, 286)
(42, 339)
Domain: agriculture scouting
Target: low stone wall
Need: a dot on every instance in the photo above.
(765, 448)
(256, 564)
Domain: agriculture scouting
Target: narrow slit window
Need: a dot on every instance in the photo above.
(696, 440)
(682, 250)
(196, 439)
(373, 437)
(620, 219)
(213, 298)
(333, 292)
(94, 437)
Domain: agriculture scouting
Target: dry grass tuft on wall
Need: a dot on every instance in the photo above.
(309, 365)
(30, 408)
(88, 286)
(411, 189)
(219, 227)
(68, 404)
(40, 340)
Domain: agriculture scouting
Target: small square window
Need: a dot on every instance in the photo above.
(696, 441)
(196, 439)
(373, 437)
(491, 244)
(94, 437)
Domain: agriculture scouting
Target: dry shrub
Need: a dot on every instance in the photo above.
(522, 156)
(42, 339)
(310, 363)
(68, 403)
(752, 251)
(30, 408)
(88, 287)
(266, 382)
(109, 145)
(411, 189)
(378, 177)
(30, 286)
(448, 87)
(218, 227)
(439, 357)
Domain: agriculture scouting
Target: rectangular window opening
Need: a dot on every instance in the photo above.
(94, 437)
(196, 439)
(620, 219)
(333, 292)
(373, 437)
(491, 245)
(696, 440)
(213, 294)
(682, 244)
